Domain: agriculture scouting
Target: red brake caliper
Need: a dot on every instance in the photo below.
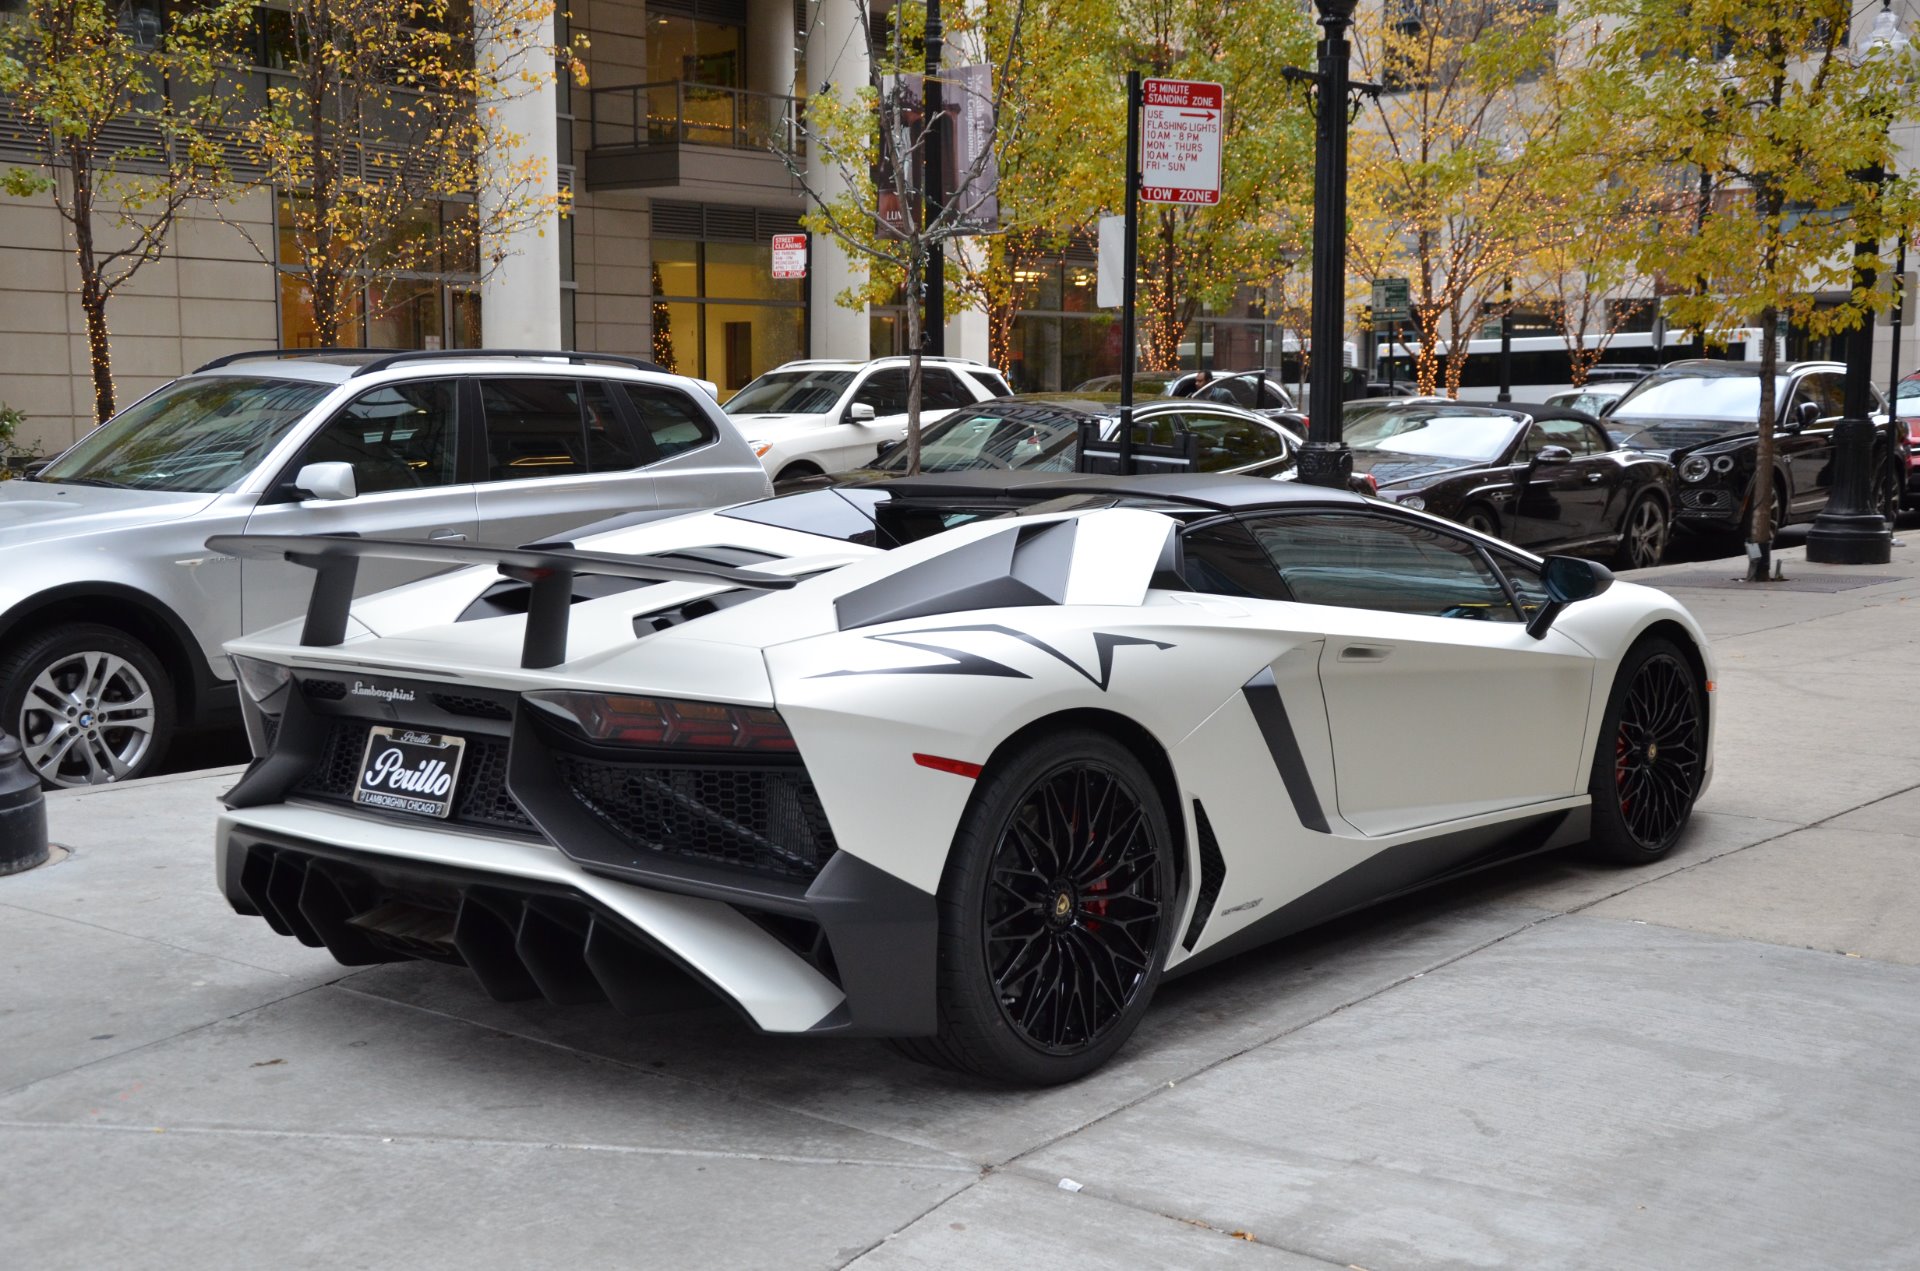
(1620, 771)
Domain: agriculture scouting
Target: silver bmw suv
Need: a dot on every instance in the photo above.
(112, 611)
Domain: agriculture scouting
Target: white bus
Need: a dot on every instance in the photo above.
(1541, 366)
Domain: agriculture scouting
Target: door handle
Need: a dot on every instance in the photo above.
(1366, 653)
(1595, 478)
(446, 536)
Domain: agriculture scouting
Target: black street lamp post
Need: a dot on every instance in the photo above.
(1850, 530)
(1325, 459)
(1506, 345)
(933, 337)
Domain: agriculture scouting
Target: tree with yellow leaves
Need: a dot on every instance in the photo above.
(383, 114)
(124, 123)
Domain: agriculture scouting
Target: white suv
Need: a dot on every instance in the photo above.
(808, 418)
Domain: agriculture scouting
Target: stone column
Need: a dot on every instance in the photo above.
(520, 297)
(837, 55)
(770, 37)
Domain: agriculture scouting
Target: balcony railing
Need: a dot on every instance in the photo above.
(675, 112)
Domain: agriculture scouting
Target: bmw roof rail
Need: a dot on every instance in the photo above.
(253, 355)
(434, 355)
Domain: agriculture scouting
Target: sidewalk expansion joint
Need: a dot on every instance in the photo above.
(457, 1140)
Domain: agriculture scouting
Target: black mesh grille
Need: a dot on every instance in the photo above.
(1706, 498)
(472, 707)
(324, 690)
(482, 798)
(766, 820)
(1213, 873)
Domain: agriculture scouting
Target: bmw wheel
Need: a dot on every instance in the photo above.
(90, 705)
(1056, 914)
(1643, 534)
(1648, 765)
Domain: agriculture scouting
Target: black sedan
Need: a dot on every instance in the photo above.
(1704, 416)
(1545, 478)
(1041, 432)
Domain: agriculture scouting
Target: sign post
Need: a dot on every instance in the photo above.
(789, 255)
(1392, 305)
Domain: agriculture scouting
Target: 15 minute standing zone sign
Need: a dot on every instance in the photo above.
(1180, 125)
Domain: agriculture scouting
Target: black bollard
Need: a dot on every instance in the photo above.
(23, 811)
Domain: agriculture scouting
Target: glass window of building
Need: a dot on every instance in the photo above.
(720, 314)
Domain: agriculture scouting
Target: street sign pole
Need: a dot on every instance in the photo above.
(934, 325)
(1128, 268)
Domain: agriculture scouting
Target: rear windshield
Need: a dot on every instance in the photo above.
(196, 435)
(968, 440)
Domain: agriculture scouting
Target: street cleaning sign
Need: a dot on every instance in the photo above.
(789, 255)
(1180, 128)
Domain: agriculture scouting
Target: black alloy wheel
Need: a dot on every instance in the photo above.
(1482, 520)
(1056, 914)
(1651, 756)
(1643, 534)
(1886, 493)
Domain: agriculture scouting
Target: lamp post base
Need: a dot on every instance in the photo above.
(1324, 463)
(1840, 538)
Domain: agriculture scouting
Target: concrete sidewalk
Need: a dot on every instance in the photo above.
(1705, 1063)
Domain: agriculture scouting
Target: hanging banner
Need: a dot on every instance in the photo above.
(1110, 281)
(966, 102)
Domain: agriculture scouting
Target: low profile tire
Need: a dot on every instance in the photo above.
(1056, 914)
(1481, 519)
(1652, 751)
(89, 704)
(1644, 534)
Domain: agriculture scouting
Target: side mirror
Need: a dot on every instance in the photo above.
(859, 413)
(1568, 580)
(1806, 415)
(1553, 457)
(886, 448)
(330, 482)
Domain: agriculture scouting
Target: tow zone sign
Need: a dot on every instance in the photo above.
(1180, 126)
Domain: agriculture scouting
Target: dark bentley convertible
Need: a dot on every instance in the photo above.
(1546, 478)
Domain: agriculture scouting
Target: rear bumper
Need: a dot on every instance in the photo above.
(530, 922)
(566, 872)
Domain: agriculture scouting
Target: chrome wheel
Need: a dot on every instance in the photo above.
(1073, 908)
(1481, 521)
(1643, 541)
(1657, 752)
(88, 718)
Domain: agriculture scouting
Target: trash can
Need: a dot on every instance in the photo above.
(23, 811)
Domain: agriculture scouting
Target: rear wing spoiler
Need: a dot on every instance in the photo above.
(335, 560)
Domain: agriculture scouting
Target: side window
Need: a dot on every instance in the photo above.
(885, 391)
(1222, 559)
(1570, 433)
(1598, 442)
(1527, 584)
(1231, 442)
(397, 438)
(991, 381)
(1371, 562)
(1530, 444)
(1827, 391)
(672, 421)
(1273, 397)
(533, 428)
(610, 448)
(939, 390)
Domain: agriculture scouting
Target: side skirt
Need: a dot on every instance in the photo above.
(1397, 871)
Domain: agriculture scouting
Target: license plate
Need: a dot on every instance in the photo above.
(404, 770)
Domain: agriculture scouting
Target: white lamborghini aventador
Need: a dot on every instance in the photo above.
(970, 762)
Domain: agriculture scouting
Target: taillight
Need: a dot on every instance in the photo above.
(620, 720)
(1913, 430)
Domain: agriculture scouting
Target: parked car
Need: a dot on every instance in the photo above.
(1260, 391)
(1041, 432)
(1594, 399)
(946, 760)
(1545, 478)
(807, 418)
(112, 613)
(1704, 416)
(1906, 413)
